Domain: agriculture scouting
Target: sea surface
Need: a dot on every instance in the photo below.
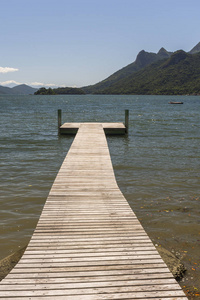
(157, 165)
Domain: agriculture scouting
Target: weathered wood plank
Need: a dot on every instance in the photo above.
(85, 254)
(93, 270)
(99, 286)
(103, 297)
(80, 263)
(137, 279)
(96, 294)
(82, 273)
(90, 250)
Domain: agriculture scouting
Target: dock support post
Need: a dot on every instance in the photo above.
(59, 120)
(126, 120)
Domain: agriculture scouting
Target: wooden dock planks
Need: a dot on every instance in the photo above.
(88, 244)
(109, 128)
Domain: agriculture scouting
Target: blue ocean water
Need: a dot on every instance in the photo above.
(157, 165)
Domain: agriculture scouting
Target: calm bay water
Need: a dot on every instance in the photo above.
(157, 166)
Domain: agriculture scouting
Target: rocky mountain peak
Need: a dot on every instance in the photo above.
(162, 50)
(163, 53)
(144, 58)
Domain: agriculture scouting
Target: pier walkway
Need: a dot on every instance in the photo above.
(88, 244)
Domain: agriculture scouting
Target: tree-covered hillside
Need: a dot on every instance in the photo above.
(165, 72)
(60, 91)
(177, 75)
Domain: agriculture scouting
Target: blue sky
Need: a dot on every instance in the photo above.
(81, 42)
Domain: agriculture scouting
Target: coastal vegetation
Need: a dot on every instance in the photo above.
(60, 91)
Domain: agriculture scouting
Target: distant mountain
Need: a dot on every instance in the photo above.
(177, 75)
(5, 90)
(155, 73)
(21, 89)
(143, 59)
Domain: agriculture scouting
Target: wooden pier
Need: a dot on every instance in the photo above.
(109, 128)
(88, 243)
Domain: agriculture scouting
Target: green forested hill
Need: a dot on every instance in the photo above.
(143, 59)
(177, 75)
(60, 91)
(162, 73)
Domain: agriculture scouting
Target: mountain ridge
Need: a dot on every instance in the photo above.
(177, 75)
(164, 62)
(143, 59)
(148, 61)
(21, 89)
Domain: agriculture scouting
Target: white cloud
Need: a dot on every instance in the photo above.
(7, 70)
(10, 82)
(43, 84)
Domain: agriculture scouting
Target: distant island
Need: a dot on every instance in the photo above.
(162, 73)
(60, 91)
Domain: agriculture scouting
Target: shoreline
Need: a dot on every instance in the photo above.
(8, 262)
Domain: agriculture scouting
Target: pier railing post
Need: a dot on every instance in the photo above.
(126, 120)
(59, 120)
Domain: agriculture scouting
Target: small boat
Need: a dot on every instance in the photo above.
(171, 102)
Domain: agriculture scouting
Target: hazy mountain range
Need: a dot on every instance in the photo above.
(165, 72)
(21, 89)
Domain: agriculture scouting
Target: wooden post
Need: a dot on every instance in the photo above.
(59, 120)
(126, 120)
